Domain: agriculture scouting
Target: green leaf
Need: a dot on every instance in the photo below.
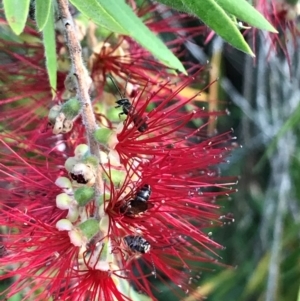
(42, 12)
(50, 50)
(16, 13)
(119, 17)
(247, 13)
(98, 14)
(214, 17)
(292, 2)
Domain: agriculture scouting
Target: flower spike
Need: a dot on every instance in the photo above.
(121, 191)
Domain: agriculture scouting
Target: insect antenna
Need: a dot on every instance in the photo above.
(116, 86)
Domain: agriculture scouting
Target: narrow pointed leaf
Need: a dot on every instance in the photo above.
(119, 13)
(99, 14)
(214, 17)
(247, 13)
(42, 12)
(16, 13)
(50, 50)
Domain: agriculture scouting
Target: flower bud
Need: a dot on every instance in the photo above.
(103, 157)
(102, 210)
(71, 108)
(91, 161)
(70, 83)
(89, 228)
(70, 163)
(80, 151)
(76, 238)
(67, 126)
(102, 135)
(63, 201)
(64, 225)
(116, 176)
(73, 214)
(53, 113)
(114, 157)
(65, 184)
(104, 224)
(83, 195)
(113, 115)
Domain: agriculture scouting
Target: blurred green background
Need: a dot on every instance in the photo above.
(262, 245)
(262, 95)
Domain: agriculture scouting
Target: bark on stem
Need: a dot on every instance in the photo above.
(83, 82)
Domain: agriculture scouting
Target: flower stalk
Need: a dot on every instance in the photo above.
(83, 83)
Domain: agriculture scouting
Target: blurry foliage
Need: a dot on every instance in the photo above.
(263, 243)
(263, 98)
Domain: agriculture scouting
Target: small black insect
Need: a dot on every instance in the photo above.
(140, 123)
(144, 193)
(139, 204)
(127, 108)
(137, 244)
(32, 10)
(125, 104)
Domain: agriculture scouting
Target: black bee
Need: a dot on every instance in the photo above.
(137, 244)
(139, 204)
(127, 108)
(144, 193)
(125, 104)
(140, 123)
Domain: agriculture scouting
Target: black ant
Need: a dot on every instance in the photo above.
(139, 204)
(127, 108)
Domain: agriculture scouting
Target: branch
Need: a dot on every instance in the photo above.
(83, 83)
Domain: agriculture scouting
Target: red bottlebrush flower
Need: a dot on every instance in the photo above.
(125, 57)
(45, 262)
(26, 94)
(81, 228)
(33, 246)
(170, 188)
(173, 222)
(163, 130)
(176, 163)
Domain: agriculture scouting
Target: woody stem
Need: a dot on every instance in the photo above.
(83, 82)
